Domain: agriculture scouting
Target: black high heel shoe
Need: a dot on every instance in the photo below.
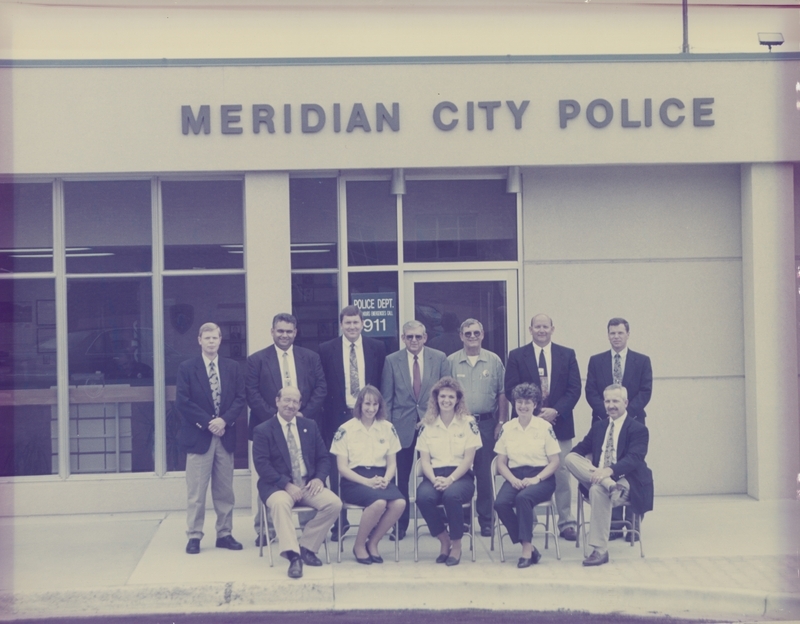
(365, 561)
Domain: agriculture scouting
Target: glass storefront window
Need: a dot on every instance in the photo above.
(313, 223)
(459, 221)
(315, 304)
(110, 341)
(108, 226)
(371, 224)
(26, 235)
(28, 399)
(203, 224)
(190, 301)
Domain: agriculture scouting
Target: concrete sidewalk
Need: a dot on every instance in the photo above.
(721, 557)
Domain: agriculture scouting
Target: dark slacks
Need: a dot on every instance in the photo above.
(405, 462)
(515, 507)
(453, 499)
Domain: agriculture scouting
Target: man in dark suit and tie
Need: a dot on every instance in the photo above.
(621, 366)
(408, 376)
(292, 463)
(278, 366)
(350, 362)
(627, 368)
(555, 370)
(209, 396)
(617, 471)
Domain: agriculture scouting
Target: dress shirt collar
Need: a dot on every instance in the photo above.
(208, 362)
(546, 349)
(420, 355)
(289, 351)
(358, 343)
(463, 357)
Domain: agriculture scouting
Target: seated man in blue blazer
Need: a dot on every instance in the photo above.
(292, 464)
(209, 395)
(616, 472)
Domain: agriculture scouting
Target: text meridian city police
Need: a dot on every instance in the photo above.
(447, 116)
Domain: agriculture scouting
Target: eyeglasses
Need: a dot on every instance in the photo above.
(412, 337)
(472, 334)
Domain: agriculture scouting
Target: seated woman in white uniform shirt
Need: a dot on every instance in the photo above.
(365, 448)
(527, 457)
(446, 446)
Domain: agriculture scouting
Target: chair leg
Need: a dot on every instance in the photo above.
(261, 514)
(339, 546)
(472, 528)
(555, 534)
(498, 527)
(416, 536)
(396, 541)
(547, 527)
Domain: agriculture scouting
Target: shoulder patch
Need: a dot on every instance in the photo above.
(339, 434)
(394, 431)
(552, 433)
(474, 427)
(500, 435)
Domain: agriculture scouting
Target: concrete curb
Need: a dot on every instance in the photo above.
(442, 594)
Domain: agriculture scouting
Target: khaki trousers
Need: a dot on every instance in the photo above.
(216, 466)
(280, 506)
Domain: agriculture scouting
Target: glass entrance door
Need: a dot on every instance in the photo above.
(442, 300)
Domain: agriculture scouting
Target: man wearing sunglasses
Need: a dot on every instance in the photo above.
(408, 376)
(481, 373)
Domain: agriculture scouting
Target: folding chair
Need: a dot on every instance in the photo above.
(416, 478)
(343, 515)
(550, 516)
(633, 526)
(262, 521)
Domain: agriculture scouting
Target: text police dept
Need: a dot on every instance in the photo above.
(447, 116)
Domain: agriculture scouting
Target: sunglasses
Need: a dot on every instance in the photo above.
(472, 334)
(412, 337)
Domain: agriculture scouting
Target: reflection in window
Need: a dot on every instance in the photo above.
(459, 221)
(378, 282)
(203, 224)
(190, 301)
(315, 304)
(110, 342)
(26, 234)
(371, 224)
(313, 223)
(108, 226)
(28, 444)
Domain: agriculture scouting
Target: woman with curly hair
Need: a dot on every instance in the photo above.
(366, 447)
(446, 446)
(527, 457)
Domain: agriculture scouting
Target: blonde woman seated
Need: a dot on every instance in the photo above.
(365, 448)
(527, 457)
(446, 446)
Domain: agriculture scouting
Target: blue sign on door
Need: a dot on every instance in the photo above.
(379, 311)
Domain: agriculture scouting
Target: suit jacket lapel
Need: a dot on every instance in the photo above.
(428, 377)
(404, 371)
(274, 367)
(622, 440)
(630, 364)
(306, 446)
(338, 365)
(280, 441)
(202, 378)
(530, 361)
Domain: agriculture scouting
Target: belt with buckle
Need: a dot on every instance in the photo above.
(487, 416)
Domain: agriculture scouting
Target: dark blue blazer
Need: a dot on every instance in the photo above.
(565, 389)
(330, 353)
(264, 381)
(271, 455)
(637, 380)
(196, 407)
(631, 451)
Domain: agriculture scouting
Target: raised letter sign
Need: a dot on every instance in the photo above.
(201, 122)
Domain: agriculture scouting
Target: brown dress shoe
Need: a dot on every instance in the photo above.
(596, 559)
(569, 534)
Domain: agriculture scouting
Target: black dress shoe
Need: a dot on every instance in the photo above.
(376, 558)
(615, 535)
(400, 535)
(486, 531)
(296, 567)
(569, 533)
(365, 560)
(442, 558)
(193, 547)
(596, 559)
(452, 561)
(309, 558)
(229, 543)
(335, 532)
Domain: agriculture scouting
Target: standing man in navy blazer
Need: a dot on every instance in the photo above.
(278, 366)
(292, 463)
(555, 370)
(621, 366)
(350, 362)
(408, 376)
(616, 472)
(209, 396)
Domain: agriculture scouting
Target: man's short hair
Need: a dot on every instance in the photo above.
(619, 387)
(618, 321)
(208, 327)
(284, 317)
(468, 322)
(350, 310)
(413, 325)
